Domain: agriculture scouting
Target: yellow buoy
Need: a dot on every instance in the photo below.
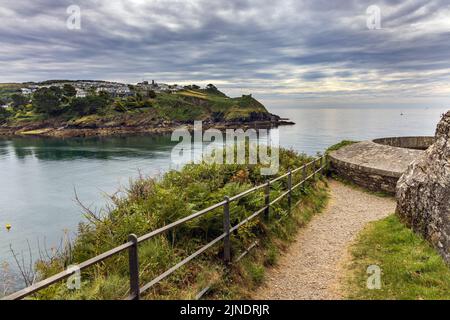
(8, 226)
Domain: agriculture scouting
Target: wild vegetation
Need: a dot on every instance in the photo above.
(341, 144)
(411, 268)
(152, 203)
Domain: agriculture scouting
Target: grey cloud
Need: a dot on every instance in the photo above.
(241, 44)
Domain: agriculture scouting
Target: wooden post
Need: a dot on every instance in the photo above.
(226, 229)
(134, 267)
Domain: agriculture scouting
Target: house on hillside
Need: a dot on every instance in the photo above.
(26, 91)
(80, 93)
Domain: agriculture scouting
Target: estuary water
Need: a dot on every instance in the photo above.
(38, 176)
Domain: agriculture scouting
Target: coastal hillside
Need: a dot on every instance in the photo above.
(90, 108)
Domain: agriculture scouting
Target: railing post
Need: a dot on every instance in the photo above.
(304, 174)
(290, 190)
(323, 164)
(267, 201)
(314, 169)
(134, 267)
(226, 229)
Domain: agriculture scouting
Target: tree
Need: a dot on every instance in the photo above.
(90, 104)
(69, 90)
(139, 96)
(151, 94)
(48, 100)
(4, 114)
(18, 101)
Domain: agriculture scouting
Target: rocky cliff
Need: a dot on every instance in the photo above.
(423, 192)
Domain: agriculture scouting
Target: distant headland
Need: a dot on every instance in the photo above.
(68, 108)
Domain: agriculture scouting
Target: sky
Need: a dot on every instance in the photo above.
(286, 52)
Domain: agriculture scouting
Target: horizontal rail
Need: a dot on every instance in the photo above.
(182, 263)
(243, 194)
(246, 251)
(178, 222)
(306, 165)
(67, 273)
(202, 292)
(249, 218)
(280, 197)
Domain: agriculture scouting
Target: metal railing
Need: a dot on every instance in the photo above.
(318, 165)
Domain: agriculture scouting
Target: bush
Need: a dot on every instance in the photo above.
(4, 114)
(90, 104)
(48, 100)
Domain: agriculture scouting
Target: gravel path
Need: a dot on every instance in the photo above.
(311, 267)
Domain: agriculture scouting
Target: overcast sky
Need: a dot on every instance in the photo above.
(287, 52)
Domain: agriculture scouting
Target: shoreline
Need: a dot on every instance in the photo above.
(74, 132)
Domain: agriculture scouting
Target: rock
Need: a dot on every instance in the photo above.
(423, 192)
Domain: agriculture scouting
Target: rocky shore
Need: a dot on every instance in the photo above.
(64, 130)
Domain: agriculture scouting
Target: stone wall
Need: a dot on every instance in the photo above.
(419, 143)
(423, 192)
(376, 166)
(369, 178)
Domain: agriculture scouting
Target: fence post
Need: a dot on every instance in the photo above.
(226, 229)
(134, 267)
(304, 171)
(267, 201)
(314, 169)
(290, 190)
(322, 164)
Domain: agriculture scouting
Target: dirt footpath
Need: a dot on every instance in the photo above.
(311, 267)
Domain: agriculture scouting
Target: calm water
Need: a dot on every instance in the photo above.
(38, 176)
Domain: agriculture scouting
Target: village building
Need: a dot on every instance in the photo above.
(80, 93)
(26, 91)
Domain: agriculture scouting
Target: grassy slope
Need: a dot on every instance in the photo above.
(411, 269)
(200, 103)
(7, 89)
(153, 203)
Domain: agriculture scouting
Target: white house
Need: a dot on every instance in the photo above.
(26, 91)
(80, 93)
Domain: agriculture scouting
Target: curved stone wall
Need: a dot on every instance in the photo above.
(419, 143)
(377, 165)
